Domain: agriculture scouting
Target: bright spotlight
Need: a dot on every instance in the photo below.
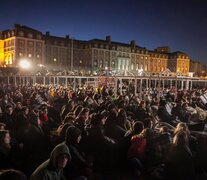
(140, 71)
(25, 64)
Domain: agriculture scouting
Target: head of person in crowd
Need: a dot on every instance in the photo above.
(18, 106)
(96, 97)
(98, 119)
(148, 122)
(110, 106)
(146, 133)
(84, 113)
(69, 119)
(5, 98)
(44, 109)
(62, 157)
(163, 130)
(137, 127)
(185, 105)
(72, 136)
(9, 109)
(112, 116)
(142, 104)
(77, 110)
(2, 126)
(5, 141)
(34, 117)
(53, 167)
(12, 174)
(162, 103)
(181, 126)
(61, 130)
(25, 110)
(180, 139)
(122, 116)
(71, 104)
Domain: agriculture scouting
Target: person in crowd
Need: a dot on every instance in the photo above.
(105, 140)
(5, 149)
(82, 119)
(8, 118)
(141, 113)
(112, 130)
(59, 135)
(2, 126)
(99, 149)
(78, 166)
(67, 108)
(122, 120)
(163, 114)
(52, 169)
(12, 174)
(179, 159)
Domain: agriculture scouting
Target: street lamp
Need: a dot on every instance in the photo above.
(24, 64)
(71, 68)
(80, 65)
(140, 71)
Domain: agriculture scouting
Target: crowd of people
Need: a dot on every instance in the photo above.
(52, 132)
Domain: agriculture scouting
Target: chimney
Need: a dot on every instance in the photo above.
(133, 43)
(67, 36)
(17, 25)
(108, 39)
(47, 33)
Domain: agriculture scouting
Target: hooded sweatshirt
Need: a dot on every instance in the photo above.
(49, 170)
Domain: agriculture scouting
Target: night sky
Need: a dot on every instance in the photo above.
(179, 24)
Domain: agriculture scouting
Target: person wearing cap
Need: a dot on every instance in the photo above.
(52, 169)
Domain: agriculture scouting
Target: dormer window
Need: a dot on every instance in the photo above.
(29, 35)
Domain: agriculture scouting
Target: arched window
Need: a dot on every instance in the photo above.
(30, 35)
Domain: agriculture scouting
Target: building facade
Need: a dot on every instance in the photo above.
(179, 62)
(198, 68)
(21, 43)
(86, 56)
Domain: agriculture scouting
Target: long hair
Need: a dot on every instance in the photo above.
(182, 127)
(180, 139)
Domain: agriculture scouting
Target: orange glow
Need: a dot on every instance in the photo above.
(1, 52)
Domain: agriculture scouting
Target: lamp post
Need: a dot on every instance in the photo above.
(80, 65)
(71, 65)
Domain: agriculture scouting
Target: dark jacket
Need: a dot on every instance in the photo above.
(179, 163)
(100, 149)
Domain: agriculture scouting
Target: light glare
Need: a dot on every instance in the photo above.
(24, 64)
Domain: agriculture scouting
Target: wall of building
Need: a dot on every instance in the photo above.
(64, 52)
